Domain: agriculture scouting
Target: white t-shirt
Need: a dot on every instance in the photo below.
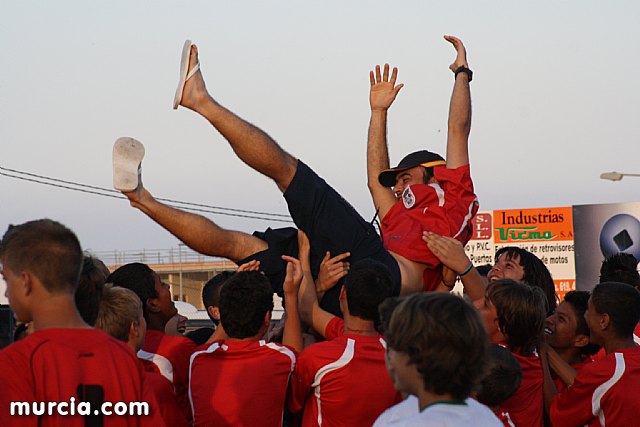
(407, 414)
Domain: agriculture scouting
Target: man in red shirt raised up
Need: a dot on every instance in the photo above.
(331, 223)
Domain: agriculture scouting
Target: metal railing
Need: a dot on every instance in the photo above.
(179, 255)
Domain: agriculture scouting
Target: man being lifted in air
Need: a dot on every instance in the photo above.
(330, 222)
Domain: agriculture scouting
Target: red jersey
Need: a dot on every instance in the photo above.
(561, 385)
(445, 208)
(334, 329)
(71, 366)
(605, 392)
(169, 355)
(240, 383)
(342, 382)
(525, 407)
(602, 354)
(165, 397)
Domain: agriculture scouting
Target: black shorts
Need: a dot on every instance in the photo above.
(331, 224)
(281, 241)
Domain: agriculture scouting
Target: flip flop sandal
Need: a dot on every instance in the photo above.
(127, 161)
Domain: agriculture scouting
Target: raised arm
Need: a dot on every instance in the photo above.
(310, 310)
(459, 109)
(331, 271)
(451, 253)
(565, 372)
(549, 391)
(292, 335)
(381, 95)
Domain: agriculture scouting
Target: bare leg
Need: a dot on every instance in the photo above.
(199, 233)
(251, 145)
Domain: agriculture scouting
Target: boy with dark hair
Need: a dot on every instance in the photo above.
(343, 381)
(621, 268)
(437, 349)
(251, 374)
(166, 354)
(64, 362)
(245, 304)
(567, 333)
(211, 295)
(519, 264)
(501, 380)
(92, 279)
(211, 302)
(385, 311)
(514, 315)
(605, 392)
(120, 315)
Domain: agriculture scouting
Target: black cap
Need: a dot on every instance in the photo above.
(423, 158)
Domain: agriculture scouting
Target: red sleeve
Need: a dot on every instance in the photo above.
(154, 419)
(300, 383)
(573, 405)
(182, 357)
(461, 202)
(14, 388)
(162, 400)
(334, 329)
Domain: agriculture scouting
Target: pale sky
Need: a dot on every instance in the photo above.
(555, 97)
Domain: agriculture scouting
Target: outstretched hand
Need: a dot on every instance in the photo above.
(253, 265)
(383, 89)
(293, 277)
(332, 270)
(448, 250)
(461, 57)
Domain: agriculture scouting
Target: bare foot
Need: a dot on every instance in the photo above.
(195, 93)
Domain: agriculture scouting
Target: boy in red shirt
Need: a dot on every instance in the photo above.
(120, 315)
(64, 363)
(567, 334)
(343, 381)
(166, 354)
(514, 315)
(242, 380)
(605, 392)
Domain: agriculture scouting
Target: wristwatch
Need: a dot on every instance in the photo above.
(463, 69)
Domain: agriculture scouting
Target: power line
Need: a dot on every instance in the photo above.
(107, 192)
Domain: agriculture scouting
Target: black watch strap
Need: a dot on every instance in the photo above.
(463, 69)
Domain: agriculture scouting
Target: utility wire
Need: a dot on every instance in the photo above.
(107, 192)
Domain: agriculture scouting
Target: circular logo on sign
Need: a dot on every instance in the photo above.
(621, 233)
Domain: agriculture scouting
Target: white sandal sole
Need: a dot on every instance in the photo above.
(127, 160)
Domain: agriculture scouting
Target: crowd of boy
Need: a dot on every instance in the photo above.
(371, 333)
